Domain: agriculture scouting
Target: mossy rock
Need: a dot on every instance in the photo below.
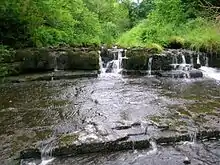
(83, 60)
(37, 60)
(214, 60)
(137, 59)
(68, 139)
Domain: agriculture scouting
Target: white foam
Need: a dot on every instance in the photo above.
(211, 72)
(46, 161)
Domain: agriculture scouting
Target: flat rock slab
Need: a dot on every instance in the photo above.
(49, 76)
(90, 140)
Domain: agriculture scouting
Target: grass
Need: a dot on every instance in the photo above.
(199, 34)
(204, 37)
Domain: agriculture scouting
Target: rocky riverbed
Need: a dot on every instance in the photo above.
(109, 113)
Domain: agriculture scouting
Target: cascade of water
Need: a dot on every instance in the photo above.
(154, 147)
(211, 72)
(46, 152)
(206, 61)
(183, 59)
(150, 65)
(100, 63)
(116, 64)
(55, 64)
(119, 60)
(193, 137)
(125, 54)
(133, 147)
(191, 60)
(174, 62)
(198, 59)
(192, 140)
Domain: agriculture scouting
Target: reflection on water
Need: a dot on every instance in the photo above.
(33, 112)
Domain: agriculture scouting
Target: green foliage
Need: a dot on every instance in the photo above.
(27, 23)
(5, 55)
(40, 23)
(203, 35)
(173, 23)
(155, 47)
(132, 38)
(176, 42)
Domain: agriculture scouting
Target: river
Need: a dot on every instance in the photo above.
(33, 112)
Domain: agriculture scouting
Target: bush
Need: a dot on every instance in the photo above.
(169, 26)
(155, 48)
(203, 35)
(176, 42)
(6, 55)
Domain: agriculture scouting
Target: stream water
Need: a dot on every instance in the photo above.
(37, 112)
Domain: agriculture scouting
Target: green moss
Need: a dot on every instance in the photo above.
(176, 42)
(183, 111)
(68, 139)
(84, 60)
(155, 48)
(43, 134)
(138, 58)
(203, 108)
(156, 119)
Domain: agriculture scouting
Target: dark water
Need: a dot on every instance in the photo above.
(33, 112)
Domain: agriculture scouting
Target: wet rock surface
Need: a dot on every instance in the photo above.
(176, 63)
(201, 153)
(38, 60)
(181, 74)
(49, 76)
(71, 117)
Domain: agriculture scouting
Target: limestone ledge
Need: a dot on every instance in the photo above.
(101, 139)
(48, 76)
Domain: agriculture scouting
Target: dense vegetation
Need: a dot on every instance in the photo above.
(37, 23)
(26, 23)
(177, 23)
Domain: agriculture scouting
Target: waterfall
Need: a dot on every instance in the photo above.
(150, 65)
(55, 63)
(154, 147)
(206, 61)
(182, 67)
(125, 54)
(119, 61)
(46, 151)
(191, 60)
(183, 59)
(115, 66)
(198, 59)
(101, 69)
(174, 62)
